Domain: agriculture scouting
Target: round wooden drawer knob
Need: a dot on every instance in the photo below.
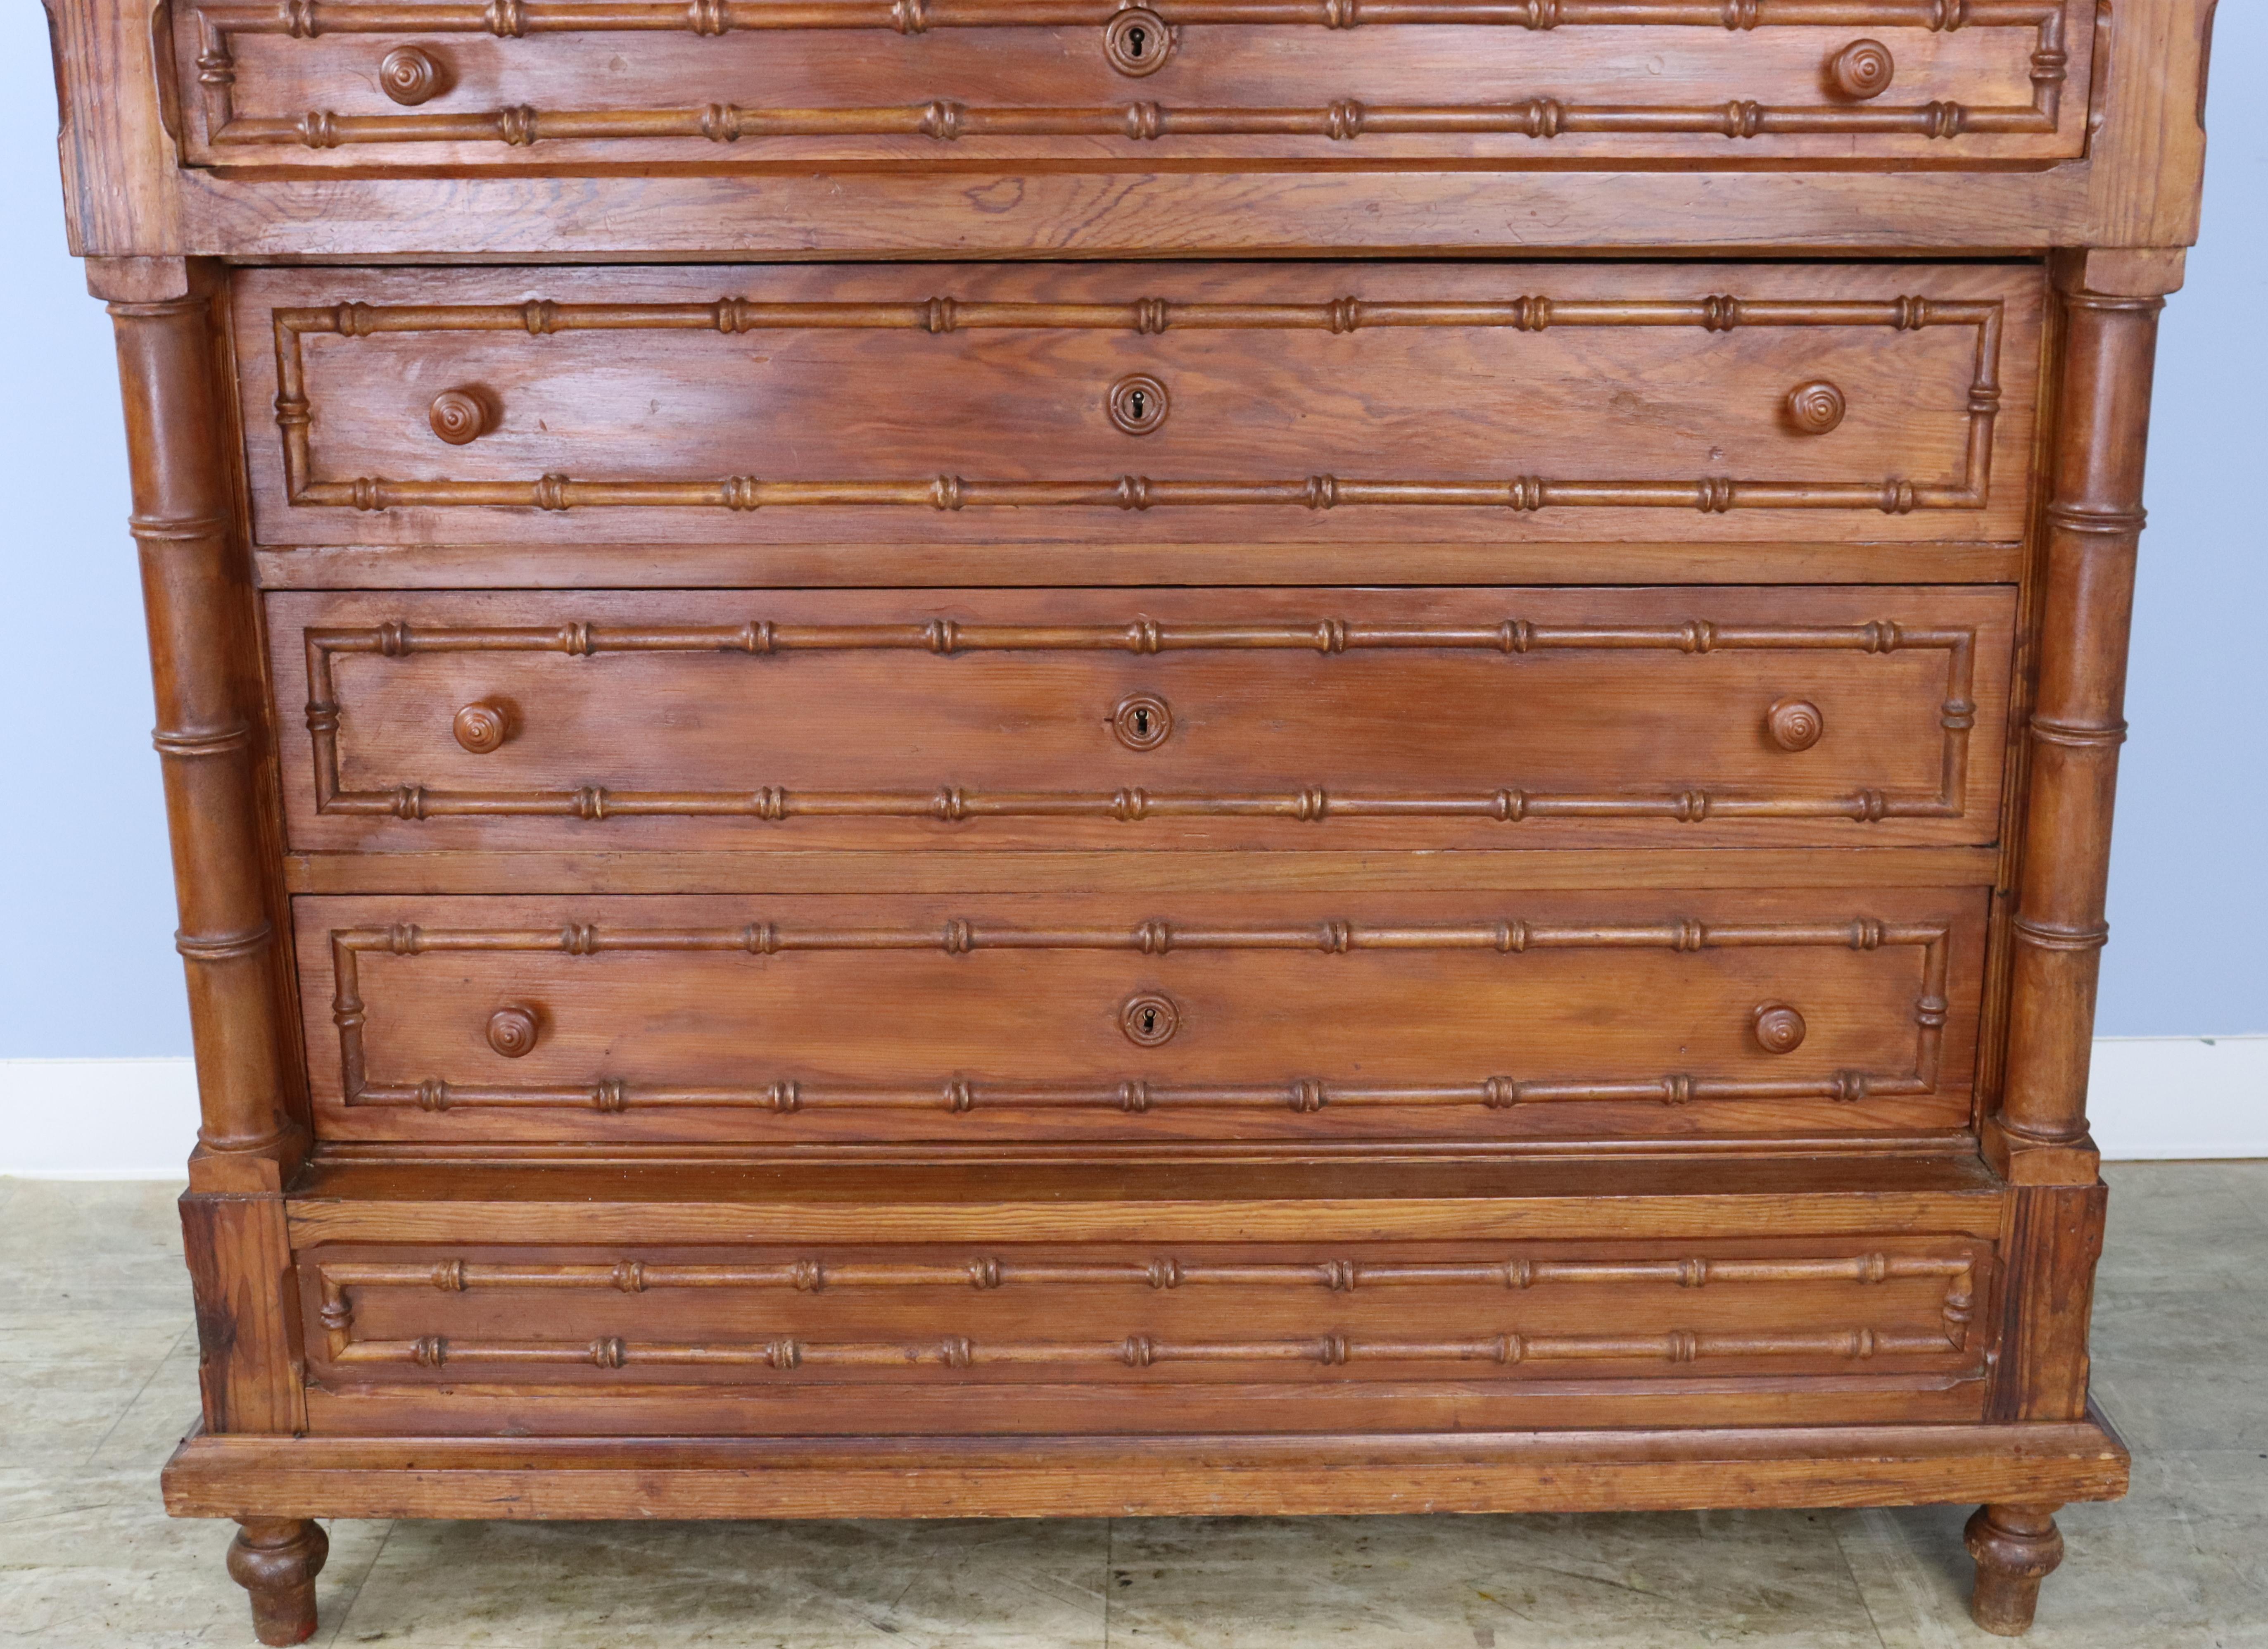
(1138, 404)
(1815, 407)
(512, 1030)
(1137, 41)
(1860, 71)
(1149, 1020)
(1780, 1028)
(482, 725)
(1794, 724)
(409, 75)
(459, 415)
(1142, 721)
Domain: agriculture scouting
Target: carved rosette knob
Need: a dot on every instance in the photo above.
(1138, 404)
(1149, 1020)
(1860, 71)
(1794, 724)
(1778, 1028)
(512, 1030)
(1815, 407)
(459, 415)
(482, 725)
(1137, 41)
(410, 75)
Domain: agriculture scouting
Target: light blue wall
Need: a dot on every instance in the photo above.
(86, 967)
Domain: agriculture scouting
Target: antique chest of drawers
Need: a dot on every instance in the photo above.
(1030, 757)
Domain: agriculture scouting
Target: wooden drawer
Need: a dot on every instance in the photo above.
(1080, 1336)
(898, 406)
(729, 83)
(1287, 1018)
(1406, 719)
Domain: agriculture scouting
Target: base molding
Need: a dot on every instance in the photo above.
(1134, 1477)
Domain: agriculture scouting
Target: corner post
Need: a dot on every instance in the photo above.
(2110, 304)
(213, 744)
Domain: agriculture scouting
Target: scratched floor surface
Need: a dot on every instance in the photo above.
(101, 1378)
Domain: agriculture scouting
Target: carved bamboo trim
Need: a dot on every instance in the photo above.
(1708, 494)
(958, 1094)
(1140, 1351)
(336, 1279)
(944, 637)
(946, 120)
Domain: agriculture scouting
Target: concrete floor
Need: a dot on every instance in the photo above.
(99, 1372)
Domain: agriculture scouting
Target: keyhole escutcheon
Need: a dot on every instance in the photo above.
(1137, 41)
(1142, 721)
(1138, 404)
(1150, 1020)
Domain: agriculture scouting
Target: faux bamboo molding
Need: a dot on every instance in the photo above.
(210, 731)
(1709, 494)
(957, 1095)
(2094, 523)
(944, 637)
(946, 120)
(336, 1280)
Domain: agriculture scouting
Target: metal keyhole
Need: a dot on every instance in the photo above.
(1137, 41)
(1142, 721)
(1137, 404)
(1150, 1020)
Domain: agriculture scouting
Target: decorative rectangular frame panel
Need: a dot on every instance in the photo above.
(837, 361)
(933, 1069)
(1260, 713)
(511, 83)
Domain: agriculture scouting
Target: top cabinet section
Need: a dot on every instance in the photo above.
(372, 87)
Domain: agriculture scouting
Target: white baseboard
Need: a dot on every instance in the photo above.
(2174, 1097)
(136, 1119)
(96, 1119)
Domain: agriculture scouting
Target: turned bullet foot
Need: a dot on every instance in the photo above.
(2016, 1547)
(276, 1560)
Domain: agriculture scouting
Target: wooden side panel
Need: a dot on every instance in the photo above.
(241, 1264)
(118, 122)
(2055, 1237)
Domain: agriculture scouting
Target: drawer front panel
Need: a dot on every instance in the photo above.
(1287, 1017)
(1077, 1337)
(1260, 718)
(567, 82)
(1165, 404)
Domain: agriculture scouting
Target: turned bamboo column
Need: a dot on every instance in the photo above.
(197, 603)
(2094, 523)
